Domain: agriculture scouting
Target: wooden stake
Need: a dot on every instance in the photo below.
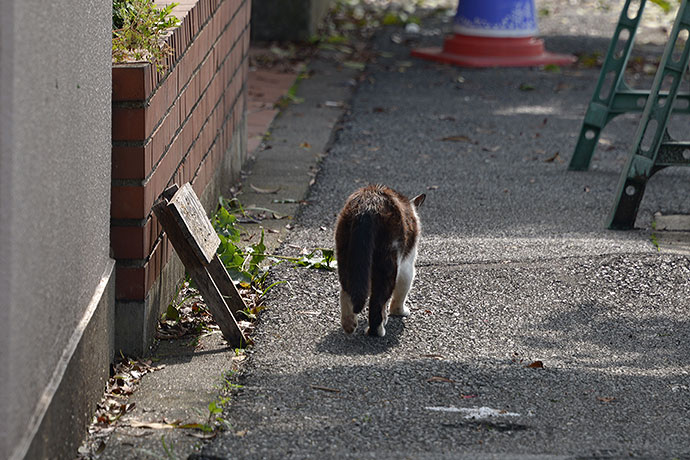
(195, 242)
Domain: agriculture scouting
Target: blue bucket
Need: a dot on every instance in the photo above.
(496, 18)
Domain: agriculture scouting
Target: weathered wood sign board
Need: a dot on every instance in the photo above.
(189, 230)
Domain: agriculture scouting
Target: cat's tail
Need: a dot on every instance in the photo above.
(361, 258)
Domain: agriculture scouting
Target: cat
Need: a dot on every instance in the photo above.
(376, 239)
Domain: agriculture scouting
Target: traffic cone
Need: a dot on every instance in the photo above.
(494, 33)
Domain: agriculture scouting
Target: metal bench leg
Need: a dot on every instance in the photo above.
(601, 108)
(653, 149)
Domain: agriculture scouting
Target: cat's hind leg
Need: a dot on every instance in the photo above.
(348, 318)
(403, 282)
(382, 284)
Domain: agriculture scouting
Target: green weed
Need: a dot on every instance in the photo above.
(138, 30)
(655, 242)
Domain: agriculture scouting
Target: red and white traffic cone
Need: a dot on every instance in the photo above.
(494, 33)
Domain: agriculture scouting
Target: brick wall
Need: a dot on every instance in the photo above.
(175, 127)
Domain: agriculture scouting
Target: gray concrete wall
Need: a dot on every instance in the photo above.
(55, 274)
(293, 20)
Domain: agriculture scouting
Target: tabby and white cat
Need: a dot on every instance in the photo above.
(376, 245)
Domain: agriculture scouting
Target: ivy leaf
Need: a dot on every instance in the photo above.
(239, 276)
(214, 409)
(171, 314)
(324, 260)
(258, 252)
(663, 4)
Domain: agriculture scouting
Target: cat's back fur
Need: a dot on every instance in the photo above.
(376, 244)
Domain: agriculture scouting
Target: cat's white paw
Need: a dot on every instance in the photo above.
(349, 323)
(380, 331)
(400, 311)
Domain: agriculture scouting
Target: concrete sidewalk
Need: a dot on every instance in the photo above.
(516, 268)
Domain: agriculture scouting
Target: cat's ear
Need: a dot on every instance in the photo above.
(418, 200)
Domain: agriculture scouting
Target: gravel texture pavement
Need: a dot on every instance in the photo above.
(535, 332)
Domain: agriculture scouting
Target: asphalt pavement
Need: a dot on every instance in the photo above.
(535, 332)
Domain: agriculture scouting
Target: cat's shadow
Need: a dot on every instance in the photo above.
(337, 342)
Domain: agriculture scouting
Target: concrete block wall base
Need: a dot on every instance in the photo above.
(135, 321)
(235, 158)
(68, 403)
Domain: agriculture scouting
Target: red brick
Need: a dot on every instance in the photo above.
(155, 186)
(133, 283)
(129, 242)
(135, 242)
(131, 162)
(131, 82)
(128, 202)
(129, 124)
(130, 283)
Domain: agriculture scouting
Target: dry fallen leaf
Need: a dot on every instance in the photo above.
(457, 139)
(151, 425)
(536, 365)
(264, 190)
(305, 145)
(330, 390)
(203, 434)
(100, 448)
(437, 379)
(606, 399)
(555, 157)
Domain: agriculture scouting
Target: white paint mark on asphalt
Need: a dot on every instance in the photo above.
(527, 109)
(475, 412)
